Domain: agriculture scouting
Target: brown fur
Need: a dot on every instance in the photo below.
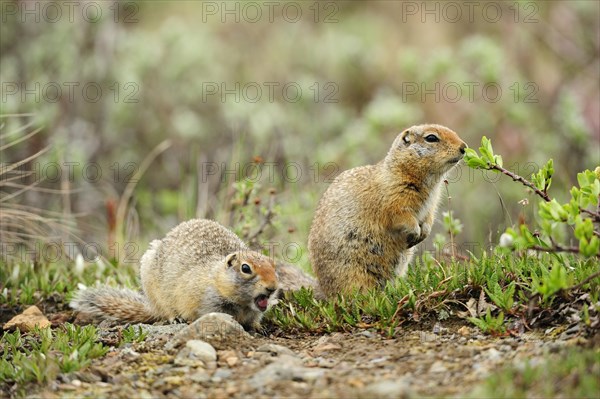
(196, 269)
(371, 217)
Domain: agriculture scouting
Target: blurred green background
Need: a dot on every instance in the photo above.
(302, 90)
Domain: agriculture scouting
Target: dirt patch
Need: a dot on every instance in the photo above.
(441, 360)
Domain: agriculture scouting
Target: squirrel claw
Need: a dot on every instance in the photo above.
(413, 239)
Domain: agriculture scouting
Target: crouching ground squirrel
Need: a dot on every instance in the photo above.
(371, 217)
(199, 267)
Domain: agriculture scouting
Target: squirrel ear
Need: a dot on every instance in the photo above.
(405, 137)
(230, 259)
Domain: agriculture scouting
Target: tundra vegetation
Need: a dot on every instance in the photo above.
(246, 122)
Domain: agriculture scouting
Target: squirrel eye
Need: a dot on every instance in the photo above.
(246, 269)
(432, 138)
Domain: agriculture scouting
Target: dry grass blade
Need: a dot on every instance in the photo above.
(20, 139)
(22, 162)
(23, 225)
(128, 193)
(32, 187)
(13, 132)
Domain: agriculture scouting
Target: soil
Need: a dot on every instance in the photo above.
(438, 359)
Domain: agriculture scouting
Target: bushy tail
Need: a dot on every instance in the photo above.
(117, 304)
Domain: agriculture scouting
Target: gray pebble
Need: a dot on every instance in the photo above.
(197, 353)
(200, 376)
(286, 368)
(387, 389)
(438, 367)
(493, 354)
(221, 374)
(202, 350)
(212, 326)
(367, 334)
(275, 349)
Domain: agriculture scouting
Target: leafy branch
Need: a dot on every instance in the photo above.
(581, 213)
(489, 161)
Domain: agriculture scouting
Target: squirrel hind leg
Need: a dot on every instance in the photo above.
(115, 304)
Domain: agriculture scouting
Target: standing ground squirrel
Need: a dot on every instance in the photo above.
(371, 216)
(199, 267)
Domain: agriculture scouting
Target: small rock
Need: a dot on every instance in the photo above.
(505, 348)
(276, 350)
(283, 371)
(202, 350)
(200, 376)
(128, 354)
(464, 331)
(210, 327)
(438, 367)
(438, 329)
(197, 353)
(326, 347)
(285, 360)
(155, 331)
(387, 389)
(493, 354)
(367, 334)
(232, 361)
(229, 357)
(428, 337)
(28, 320)
(220, 375)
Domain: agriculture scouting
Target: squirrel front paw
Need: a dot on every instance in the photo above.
(414, 235)
(425, 230)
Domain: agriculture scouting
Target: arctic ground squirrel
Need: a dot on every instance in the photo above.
(198, 268)
(370, 217)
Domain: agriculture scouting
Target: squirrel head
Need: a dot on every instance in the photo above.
(425, 150)
(255, 279)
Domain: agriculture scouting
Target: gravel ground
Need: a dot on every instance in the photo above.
(206, 362)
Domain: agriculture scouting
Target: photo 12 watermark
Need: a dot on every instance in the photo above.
(254, 92)
(69, 11)
(453, 92)
(129, 252)
(69, 92)
(469, 11)
(68, 171)
(269, 11)
(267, 172)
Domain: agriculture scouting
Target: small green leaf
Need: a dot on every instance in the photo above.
(498, 160)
